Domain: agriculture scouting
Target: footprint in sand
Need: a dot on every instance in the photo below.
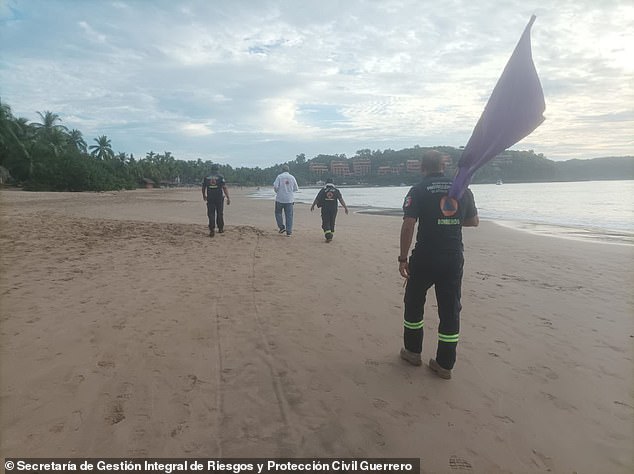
(505, 419)
(617, 402)
(57, 428)
(378, 403)
(458, 464)
(328, 317)
(561, 404)
(114, 413)
(78, 419)
(546, 322)
(176, 431)
(502, 343)
(191, 381)
(542, 461)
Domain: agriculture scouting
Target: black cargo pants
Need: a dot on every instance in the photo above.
(328, 217)
(443, 270)
(215, 207)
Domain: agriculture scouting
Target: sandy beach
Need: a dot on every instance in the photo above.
(127, 332)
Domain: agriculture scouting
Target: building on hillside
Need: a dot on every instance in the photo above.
(385, 170)
(339, 168)
(412, 166)
(318, 168)
(361, 167)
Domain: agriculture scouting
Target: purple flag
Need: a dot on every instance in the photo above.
(514, 110)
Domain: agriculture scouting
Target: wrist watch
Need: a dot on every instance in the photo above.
(402, 259)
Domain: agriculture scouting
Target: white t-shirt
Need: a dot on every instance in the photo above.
(284, 186)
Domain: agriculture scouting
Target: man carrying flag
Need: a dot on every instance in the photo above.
(436, 260)
(443, 207)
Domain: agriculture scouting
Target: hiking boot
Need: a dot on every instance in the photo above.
(221, 231)
(411, 357)
(440, 371)
(211, 233)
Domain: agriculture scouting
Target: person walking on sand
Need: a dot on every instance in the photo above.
(285, 187)
(326, 199)
(214, 193)
(437, 259)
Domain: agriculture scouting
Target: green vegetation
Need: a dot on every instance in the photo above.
(48, 156)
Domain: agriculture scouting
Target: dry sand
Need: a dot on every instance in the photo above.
(127, 332)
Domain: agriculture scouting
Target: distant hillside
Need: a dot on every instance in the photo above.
(389, 167)
(521, 166)
(614, 167)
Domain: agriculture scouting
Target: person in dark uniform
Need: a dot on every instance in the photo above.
(437, 259)
(214, 192)
(326, 199)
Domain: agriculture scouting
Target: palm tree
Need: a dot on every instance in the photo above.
(18, 137)
(167, 166)
(49, 123)
(6, 124)
(23, 129)
(5, 113)
(76, 139)
(103, 148)
(50, 133)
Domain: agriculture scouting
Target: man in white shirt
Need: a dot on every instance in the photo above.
(285, 187)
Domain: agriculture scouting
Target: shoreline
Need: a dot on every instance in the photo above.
(583, 234)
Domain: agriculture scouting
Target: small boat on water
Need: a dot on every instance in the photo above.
(499, 181)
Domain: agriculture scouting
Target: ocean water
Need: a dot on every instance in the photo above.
(601, 210)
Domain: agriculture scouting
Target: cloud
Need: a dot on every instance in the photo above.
(261, 83)
(196, 129)
(91, 34)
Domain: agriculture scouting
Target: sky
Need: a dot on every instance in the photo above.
(256, 83)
